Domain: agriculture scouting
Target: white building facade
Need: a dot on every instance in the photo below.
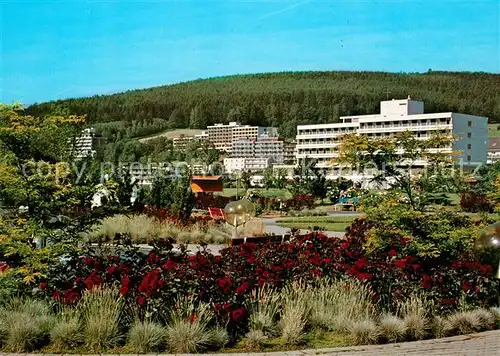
(223, 136)
(320, 142)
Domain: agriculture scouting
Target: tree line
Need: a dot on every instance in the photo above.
(284, 100)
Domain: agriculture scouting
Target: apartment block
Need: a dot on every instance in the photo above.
(249, 164)
(223, 136)
(84, 144)
(181, 142)
(269, 147)
(289, 152)
(261, 147)
(470, 132)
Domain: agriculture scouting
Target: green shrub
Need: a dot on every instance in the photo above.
(392, 328)
(414, 313)
(255, 339)
(438, 326)
(218, 337)
(485, 319)
(188, 328)
(27, 324)
(67, 332)
(146, 336)
(364, 332)
(264, 309)
(294, 315)
(100, 312)
(461, 323)
(335, 304)
(495, 311)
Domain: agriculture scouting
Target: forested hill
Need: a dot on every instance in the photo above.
(287, 99)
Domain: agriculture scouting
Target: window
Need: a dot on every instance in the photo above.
(468, 158)
(469, 123)
(469, 146)
(469, 135)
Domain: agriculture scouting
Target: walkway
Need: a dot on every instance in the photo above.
(482, 344)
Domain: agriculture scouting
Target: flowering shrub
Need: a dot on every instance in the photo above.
(168, 216)
(394, 267)
(300, 201)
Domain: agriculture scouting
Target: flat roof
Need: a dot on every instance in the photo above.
(206, 177)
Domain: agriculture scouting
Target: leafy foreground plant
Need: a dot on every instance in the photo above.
(101, 309)
(146, 336)
(25, 325)
(188, 328)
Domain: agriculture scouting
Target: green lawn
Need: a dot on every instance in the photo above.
(493, 130)
(329, 223)
(275, 193)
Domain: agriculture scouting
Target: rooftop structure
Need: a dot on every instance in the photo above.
(206, 184)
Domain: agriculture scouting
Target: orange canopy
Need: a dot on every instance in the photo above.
(206, 184)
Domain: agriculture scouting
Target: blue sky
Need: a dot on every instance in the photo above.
(60, 49)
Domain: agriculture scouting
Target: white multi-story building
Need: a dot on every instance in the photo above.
(243, 148)
(470, 132)
(249, 164)
(182, 141)
(234, 164)
(289, 152)
(223, 136)
(262, 147)
(83, 146)
(203, 136)
(269, 147)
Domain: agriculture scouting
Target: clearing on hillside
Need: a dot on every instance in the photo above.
(172, 134)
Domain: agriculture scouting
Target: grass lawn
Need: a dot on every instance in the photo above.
(275, 193)
(493, 130)
(329, 223)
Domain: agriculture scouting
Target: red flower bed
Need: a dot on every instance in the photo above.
(227, 279)
(166, 215)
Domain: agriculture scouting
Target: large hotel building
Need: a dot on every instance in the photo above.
(470, 132)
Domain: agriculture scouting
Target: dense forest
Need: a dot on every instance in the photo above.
(284, 99)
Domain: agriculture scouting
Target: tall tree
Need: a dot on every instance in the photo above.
(393, 160)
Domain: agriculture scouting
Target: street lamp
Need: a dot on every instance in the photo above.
(237, 175)
(490, 239)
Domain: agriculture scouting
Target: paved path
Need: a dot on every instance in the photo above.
(482, 344)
